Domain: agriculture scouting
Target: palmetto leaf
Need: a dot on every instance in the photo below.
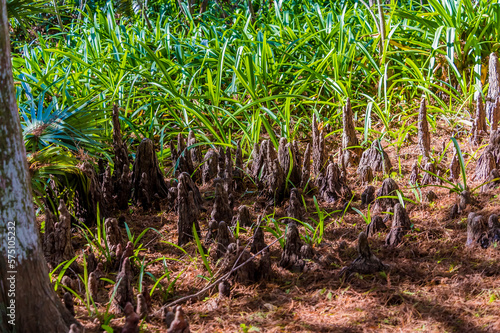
(47, 123)
(27, 11)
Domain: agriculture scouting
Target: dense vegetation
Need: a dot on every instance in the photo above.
(231, 78)
(233, 74)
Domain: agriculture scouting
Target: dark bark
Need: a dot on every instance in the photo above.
(68, 303)
(274, 179)
(88, 197)
(142, 306)
(263, 269)
(350, 155)
(146, 296)
(113, 233)
(221, 163)
(424, 137)
(332, 187)
(179, 324)
(244, 217)
(95, 281)
(290, 257)
(189, 186)
(258, 242)
(400, 225)
(70, 283)
(209, 170)
(131, 320)
(366, 262)
(228, 173)
(376, 158)
(246, 274)
(306, 167)
(223, 239)
(261, 163)
(429, 178)
(493, 229)
(221, 210)
(127, 253)
(368, 195)
(414, 176)
(147, 178)
(211, 235)
(318, 147)
(108, 190)
(476, 230)
(181, 157)
(93, 287)
(289, 161)
(376, 225)
(294, 209)
(121, 178)
(493, 181)
(495, 115)
(306, 252)
(187, 209)
(283, 154)
(454, 167)
(298, 159)
(257, 161)
(365, 174)
(479, 129)
(168, 316)
(58, 246)
(124, 292)
(224, 289)
(389, 188)
(490, 158)
(431, 196)
(454, 211)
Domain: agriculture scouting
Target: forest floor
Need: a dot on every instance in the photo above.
(434, 283)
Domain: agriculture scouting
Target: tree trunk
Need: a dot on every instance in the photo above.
(37, 308)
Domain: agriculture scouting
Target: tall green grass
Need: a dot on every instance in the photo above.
(236, 78)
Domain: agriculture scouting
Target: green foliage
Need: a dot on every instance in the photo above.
(229, 76)
(274, 228)
(204, 257)
(166, 291)
(248, 79)
(97, 241)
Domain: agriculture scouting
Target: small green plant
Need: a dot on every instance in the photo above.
(166, 292)
(417, 192)
(274, 227)
(97, 241)
(237, 230)
(248, 329)
(103, 317)
(457, 188)
(65, 266)
(135, 240)
(204, 257)
(400, 196)
(93, 311)
(314, 234)
(367, 217)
